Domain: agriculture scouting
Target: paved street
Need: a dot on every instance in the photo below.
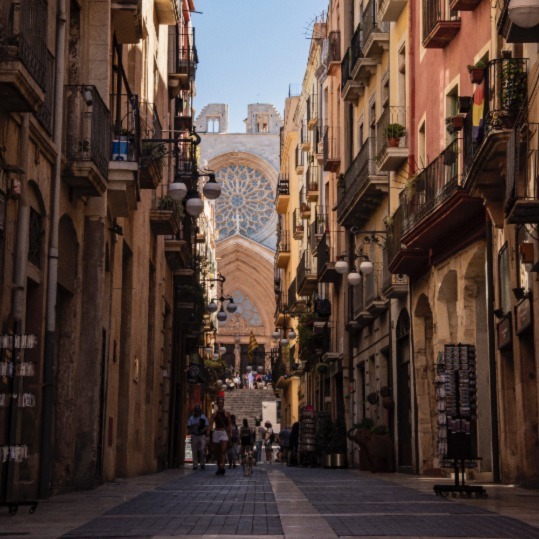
(277, 502)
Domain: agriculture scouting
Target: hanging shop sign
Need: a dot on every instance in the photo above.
(523, 316)
(503, 329)
(193, 373)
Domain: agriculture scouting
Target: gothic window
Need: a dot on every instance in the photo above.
(37, 232)
(403, 325)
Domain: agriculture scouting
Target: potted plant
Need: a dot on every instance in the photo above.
(394, 132)
(477, 72)
(305, 210)
(512, 75)
(454, 123)
(121, 145)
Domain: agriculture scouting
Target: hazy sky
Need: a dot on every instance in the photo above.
(250, 51)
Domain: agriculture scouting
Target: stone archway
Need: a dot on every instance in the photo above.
(447, 318)
(424, 364)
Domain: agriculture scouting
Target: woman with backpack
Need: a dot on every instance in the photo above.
(246, 438)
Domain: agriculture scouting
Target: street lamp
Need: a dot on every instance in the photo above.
(366, 267)
(213, 306)
(524, 13)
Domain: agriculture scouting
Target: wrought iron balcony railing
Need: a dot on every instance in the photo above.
(395, 230)
(23, 36)
(440, 23)
(334, 47)
(300, 159)
(283, 241)
(356, 45)
(431, 187)
(125, 117)
(396, 118)
(283, 185)
(44, 114)
(332, 156)
(500, 100)
(87, 127)
(346, 69)
(371, 24)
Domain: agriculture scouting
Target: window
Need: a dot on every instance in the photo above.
(36, 238)
(422, 146)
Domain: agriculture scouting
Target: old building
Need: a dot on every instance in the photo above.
(93, 252)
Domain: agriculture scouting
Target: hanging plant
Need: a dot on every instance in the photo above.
(373, 398)
(321, 368)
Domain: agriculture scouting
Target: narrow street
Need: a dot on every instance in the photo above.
(277, 502)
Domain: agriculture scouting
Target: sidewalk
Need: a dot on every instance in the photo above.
(277, 502)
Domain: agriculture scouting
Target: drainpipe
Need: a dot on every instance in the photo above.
(492, 354)
(52, 274)
(20, 271)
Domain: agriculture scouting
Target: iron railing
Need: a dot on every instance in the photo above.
(292, 293)
(304, 133)
(313, 177)
(522, 177)
(356, 46)
(334, 47)
(125, 117)
(331, 144)
(434, 12)
(283, 185)
(395, 230)
(357, 176)
(323, 254)
(283, 241)
(23, 35)
(305, 267)
(431, 187)
(390, 116)
(346, 69)
(87, 127)
(297, 223)
(312, 107)
(150, 123)
(44, 114)
(372, 284)
(370, 21)
(356, 303)
(300, 157)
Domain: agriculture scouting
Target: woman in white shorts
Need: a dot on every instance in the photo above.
(220, 436)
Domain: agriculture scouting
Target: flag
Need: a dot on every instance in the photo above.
(253, 345)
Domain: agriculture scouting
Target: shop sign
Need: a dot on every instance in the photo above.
(523, 316)
(193, 373)
(503, 329)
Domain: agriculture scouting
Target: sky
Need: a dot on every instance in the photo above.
(250, 51)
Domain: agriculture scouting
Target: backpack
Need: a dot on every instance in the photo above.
(245, 434)
(272, 437)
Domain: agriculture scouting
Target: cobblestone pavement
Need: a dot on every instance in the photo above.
(276, 503)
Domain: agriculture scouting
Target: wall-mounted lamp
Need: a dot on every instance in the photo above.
(88, 95)
(524, 13)
(354, 277)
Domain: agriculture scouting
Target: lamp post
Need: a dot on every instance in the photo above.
(213, 306)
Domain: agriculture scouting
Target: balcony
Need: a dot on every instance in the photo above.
(313, 183)
(375, 303)
(333, 60)
(283, 249)
(375, 33)
(296, 304)
(281, 306)
(392, 150)
(86, 141)
(401, 260)
(522, 179)
(513, 33)
(44, 114)
(165, 218)
(127, 20)
(485, 144)
(325, 266)
(184, 63)
(318, 228)
(439, 215)
(307, 278)
(390, 10)
(394, 286)
(283, 193)
(350, 89)
(304, 142)
(178, 251)
(358, 316)
(463, 5)
(298, 228)
(125, 154)
(312, 111)
(440, 24)
(169, 12)
(300, 160)
(332, 154)
(23, 56)
(362, 189)
(152, 153)
(361, 67)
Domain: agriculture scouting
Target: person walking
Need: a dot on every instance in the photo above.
(246, 437)
(234, 443)
(197, 426)
(221, 422)
(260, 433)
(269, 438)
(250, 380)
(284, 444)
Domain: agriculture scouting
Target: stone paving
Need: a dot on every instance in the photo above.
(276, 503)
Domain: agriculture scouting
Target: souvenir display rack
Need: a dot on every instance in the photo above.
(456, 396)
(307, 437)
(13, 370)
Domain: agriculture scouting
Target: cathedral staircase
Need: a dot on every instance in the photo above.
(250, 404)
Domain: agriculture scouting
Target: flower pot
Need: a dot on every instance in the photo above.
(457, 122)
(393, 142)
(477, 74)
(338, 460)
(388, 403)
(120, 148)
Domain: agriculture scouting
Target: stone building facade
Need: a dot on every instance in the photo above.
(91, 251)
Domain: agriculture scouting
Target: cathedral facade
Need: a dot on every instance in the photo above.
(246, 167)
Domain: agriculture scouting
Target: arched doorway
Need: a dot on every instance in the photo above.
(404, 393)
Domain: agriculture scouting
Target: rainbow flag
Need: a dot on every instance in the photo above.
(478, 113)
